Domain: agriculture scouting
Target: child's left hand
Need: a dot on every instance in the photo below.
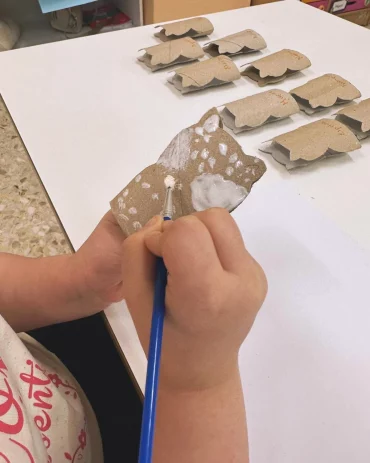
(99, 262)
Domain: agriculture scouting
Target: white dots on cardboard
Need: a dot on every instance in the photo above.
(222, 149)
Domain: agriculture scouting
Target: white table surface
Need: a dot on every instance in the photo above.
(91, 117)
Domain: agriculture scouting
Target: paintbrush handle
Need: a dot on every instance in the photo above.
(154, 358)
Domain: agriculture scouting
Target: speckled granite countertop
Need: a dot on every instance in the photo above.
(28, 224)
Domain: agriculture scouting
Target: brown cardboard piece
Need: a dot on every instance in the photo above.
(208, 73)
(256, 110)
(276, 67)
(194, 27)
(324, 92)
(311, 142)
(357, 118)
(173, 52)
(210, 170)
(242, 42)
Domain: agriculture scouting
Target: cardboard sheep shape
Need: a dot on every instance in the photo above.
(210, 170)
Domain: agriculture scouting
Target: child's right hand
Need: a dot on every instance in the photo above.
(214, 291)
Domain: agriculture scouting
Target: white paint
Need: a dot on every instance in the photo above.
(204, 154)
(170, 182)
(121, 204)
(212, 162)
(248, 170)
(201, 167)
(176, 155)
(155, 196)
(125, 193)
(194, 155)
(247, 180)
(212, 190)
(145, 185)
(222, 149)
(207, 138)
(138, 178)
(123, 216)
(199, 130)
(238, 164)
(212, 123)
(137, 225)
(229, 170)
(196, 140)
(233, 158)
(256, 160)
(132, 210)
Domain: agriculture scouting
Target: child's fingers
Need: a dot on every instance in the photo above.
(188, 249)
(154, 241)
(226, 236)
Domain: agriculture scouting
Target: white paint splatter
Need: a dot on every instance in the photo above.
(145, 185)
(209, 190)
(196, 140)
(199, 130)
(194, 155)
(238, 164)
(137, 225)
(222, 149)
(207, 138)
(155, 196)
(138, 178)
(248, 170)
(179, 186)
(201, 167)
(121, 204)
(253, 171)
(212, 123)
(123, 216)
(177, 153)
(204, 154)
(233, 158)
(132, 210)
(247, 180)
(212, 162)
(125, 193)
(170, 182)
(229, 170)
(256, 160)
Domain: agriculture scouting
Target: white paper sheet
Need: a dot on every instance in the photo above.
(306, 363)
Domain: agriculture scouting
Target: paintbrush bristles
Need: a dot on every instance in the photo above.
(169, 182)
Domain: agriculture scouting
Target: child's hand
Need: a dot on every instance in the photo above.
(214, 291)
(97, 265)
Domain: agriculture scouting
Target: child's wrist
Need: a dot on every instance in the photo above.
(188, 383)
(198, 372)
(80, 284)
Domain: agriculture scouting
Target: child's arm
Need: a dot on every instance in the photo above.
(39, 292)
(214, 291)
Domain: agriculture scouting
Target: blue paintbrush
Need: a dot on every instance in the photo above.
(155, 345)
